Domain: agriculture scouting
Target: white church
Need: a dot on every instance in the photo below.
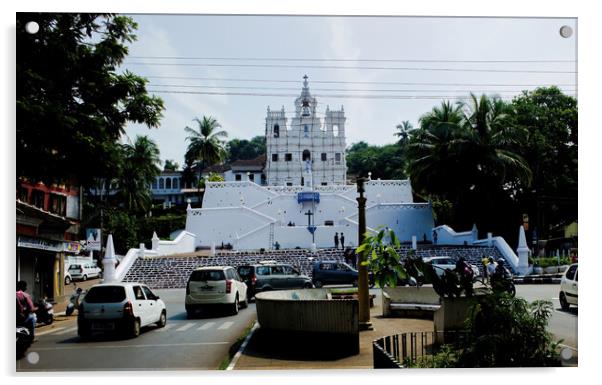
(306, 199)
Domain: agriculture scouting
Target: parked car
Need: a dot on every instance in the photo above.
(568, 287)
(335, 273)
(272, 276)
(84, 271)
(213, 286)
(447, 263)
(119, 307)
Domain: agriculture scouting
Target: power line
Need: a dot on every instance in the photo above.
(325, 96)
(351, 60)
(333, 89)
(351, 67)
(359, 82)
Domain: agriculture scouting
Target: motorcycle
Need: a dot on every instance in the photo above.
(45, 312)
(24, 340)
(503, 283)
(74, 301)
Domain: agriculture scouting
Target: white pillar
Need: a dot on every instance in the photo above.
(213, 249)
(155, 241)
(475, 233)
(141, 249)
(523, 252)
(489, 239)
(414, 243)
(109, 261)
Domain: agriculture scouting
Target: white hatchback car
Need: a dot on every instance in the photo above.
(216, 285)
(84, 271)
(568, 287)
(119, 307)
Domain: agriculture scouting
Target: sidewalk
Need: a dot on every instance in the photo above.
(257, 357)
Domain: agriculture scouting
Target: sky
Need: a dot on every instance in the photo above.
(383, 70)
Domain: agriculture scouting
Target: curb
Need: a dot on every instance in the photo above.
(242, 347)
(537, 280)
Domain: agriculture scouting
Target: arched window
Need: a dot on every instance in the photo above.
(161, 183)
(168, 183)
(335, 130)
(306, 130)
(306, 155)
(276, 131)
(154, 184)
(175, 183)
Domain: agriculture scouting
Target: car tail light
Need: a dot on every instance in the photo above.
(128, 309)
(228, 286)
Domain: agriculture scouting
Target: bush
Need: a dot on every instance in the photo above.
(551, 261)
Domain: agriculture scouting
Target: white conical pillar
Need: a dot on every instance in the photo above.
(475, 233)
(155, 241)
(523, 252)
(109, 261)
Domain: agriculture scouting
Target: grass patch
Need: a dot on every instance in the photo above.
(235, 346)
(351, 290)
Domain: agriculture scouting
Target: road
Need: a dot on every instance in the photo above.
(183, 344)
(562, 324)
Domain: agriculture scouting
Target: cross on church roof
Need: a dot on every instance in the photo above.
(305, 81)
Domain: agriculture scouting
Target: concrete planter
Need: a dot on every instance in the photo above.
(550, 270)
(537, 270)
(562, 268)
(452, 315)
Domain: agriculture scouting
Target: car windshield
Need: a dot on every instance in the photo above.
(105, 294)
(207, 275)
(245, 271)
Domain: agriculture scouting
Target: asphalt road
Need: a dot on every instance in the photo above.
(562, 324)
(197, 344)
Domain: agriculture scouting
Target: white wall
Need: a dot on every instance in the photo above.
(185, 242)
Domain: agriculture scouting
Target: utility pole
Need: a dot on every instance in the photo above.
(362, 285)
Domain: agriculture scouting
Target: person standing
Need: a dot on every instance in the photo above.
(491, 268)
(342, 241)
(336, 240)
(435, 237)
(26, 311)
(485, 262)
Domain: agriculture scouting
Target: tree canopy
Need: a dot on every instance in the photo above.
(72, 104)
(245, 149)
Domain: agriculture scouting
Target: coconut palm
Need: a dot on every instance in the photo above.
(206, 145)
(404, 132)
(140, 167)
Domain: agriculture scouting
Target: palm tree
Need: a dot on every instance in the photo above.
(206, 146)
(489, 140)
(404, 132)
(433, 150)
(140, 167)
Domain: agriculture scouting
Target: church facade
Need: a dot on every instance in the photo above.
(307, 143)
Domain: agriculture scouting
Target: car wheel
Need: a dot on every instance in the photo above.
(135, 328)
(235, 305)
(308, 285)
(162, 319)
(563, 302)
(85, 278)
(67, 280)
(318, 284)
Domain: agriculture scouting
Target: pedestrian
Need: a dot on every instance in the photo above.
(491, 268)
(354, 258)
(336, 240)
(435, 237)
(342, 241)
(485, 262)
(26, 311)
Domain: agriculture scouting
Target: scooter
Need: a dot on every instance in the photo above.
(24, 341)
(74, 301)
(45, 312)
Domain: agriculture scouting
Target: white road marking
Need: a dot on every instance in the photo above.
(49, 331)
(67, 331)
(87, 347)
(185, 327)
(225, 325)
(206, 326)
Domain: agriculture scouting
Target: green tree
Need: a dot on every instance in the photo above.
(404, 132)
(549, 118)
(171, 165)
(124, 228)
(245, 149)
(384, 162)
(72, 105)
(140, 167)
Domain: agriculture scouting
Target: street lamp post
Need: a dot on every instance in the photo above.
(362, 282)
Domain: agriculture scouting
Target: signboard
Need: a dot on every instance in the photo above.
(72, 247)
(93, 239)
(308, 196)
(40, 244)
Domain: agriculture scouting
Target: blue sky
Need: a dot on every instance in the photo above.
(380, 50)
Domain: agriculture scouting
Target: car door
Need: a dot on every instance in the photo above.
(241, 285)
(277, 277)
(141, 305)
(154, 308)
(345, 274)
(291, 278)
(570, 284)
(263, 277)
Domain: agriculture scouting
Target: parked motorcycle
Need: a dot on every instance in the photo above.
(74, 301)
(45, 312)
(24, 341)
(503, 283)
